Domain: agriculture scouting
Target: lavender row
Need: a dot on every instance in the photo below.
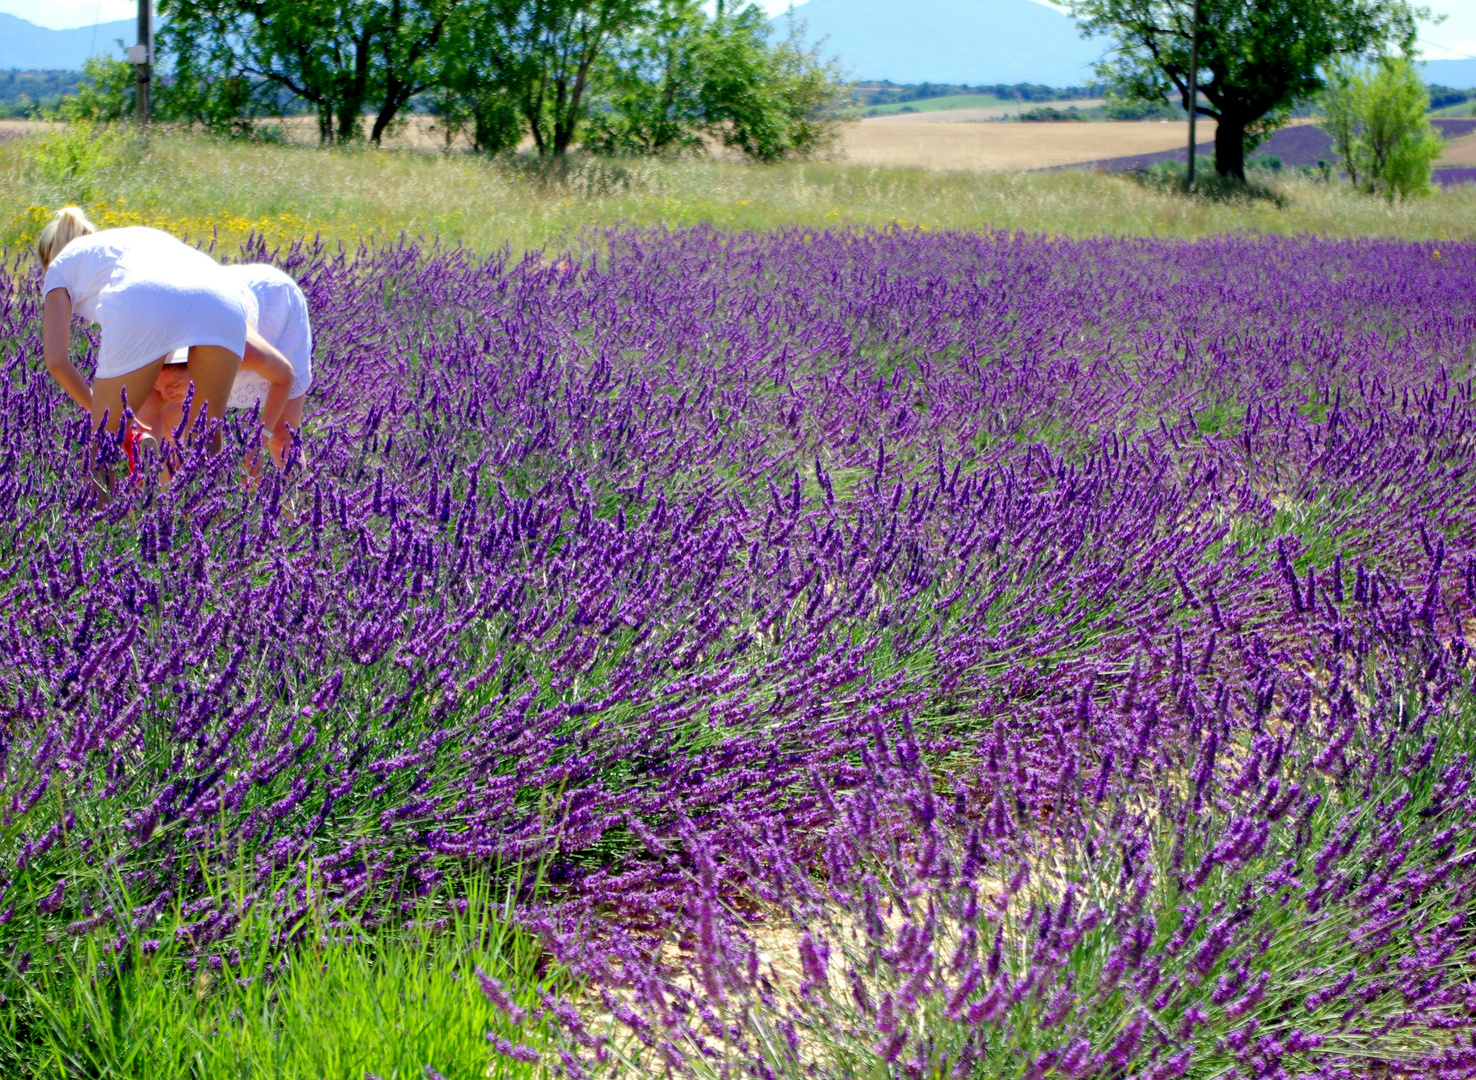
(725, 538)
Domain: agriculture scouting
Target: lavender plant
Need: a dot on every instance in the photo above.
(1066, 638)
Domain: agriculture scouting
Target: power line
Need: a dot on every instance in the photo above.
(1444, 48)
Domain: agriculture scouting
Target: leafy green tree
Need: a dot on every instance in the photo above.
(688, 78)
(650, 96)
(1342, 115)
(554, 46)
(1256, 57)
(539, 56)
(342, 57)
(105, 93)
(772, 103)
(480, 89)
(1379, 128)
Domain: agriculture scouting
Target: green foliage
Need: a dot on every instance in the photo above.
(1257, 58)
(782, 107)
(1114, 109)
(476, 94)
(529, 65)
(321, 1002)
(881, 93)
(652, 100)
(1379, 129)
(236, 58)
(222, 104)
(1045, 113)
(486, 116)
(688, 77)
(105, 93)
(33, 95)
(1442, 97)
(73, 160)
(1119, 108)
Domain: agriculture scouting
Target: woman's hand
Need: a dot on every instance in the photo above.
(56, 336)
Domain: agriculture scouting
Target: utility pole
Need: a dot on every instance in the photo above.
(1192, 104)
(141, 57)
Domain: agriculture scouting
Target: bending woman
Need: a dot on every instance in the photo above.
(283, 322)
(151, 294)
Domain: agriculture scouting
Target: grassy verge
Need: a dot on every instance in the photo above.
(306, 1002)
(203, 187)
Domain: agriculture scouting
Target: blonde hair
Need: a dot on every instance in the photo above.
(66, 225)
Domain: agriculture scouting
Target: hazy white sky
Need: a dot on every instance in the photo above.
(1452, 40)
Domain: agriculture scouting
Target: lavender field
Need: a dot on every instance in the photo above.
(848, 655)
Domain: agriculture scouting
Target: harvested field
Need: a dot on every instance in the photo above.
(938, 145)
(416, 132)
(1459, 153)
(13, 129)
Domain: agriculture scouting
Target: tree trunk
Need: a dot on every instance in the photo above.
(394, 100)
(1230, 147)
(356, 93)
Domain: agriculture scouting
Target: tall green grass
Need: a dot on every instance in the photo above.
(315, 1002)
(202, 186)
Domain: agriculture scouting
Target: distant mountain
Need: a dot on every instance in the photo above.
(1458, 74)
(979, 42)
(29, 47)
(951, 41)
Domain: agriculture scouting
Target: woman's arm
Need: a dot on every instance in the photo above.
(272, 366)
(56, 335)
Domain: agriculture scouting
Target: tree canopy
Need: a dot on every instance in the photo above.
(654, 76)
(1257, 58)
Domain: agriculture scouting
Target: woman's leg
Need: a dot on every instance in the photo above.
(213, 371)
(281, 436)
(107, 400)
(107, 394)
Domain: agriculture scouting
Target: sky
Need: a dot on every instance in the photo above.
(1455, 39)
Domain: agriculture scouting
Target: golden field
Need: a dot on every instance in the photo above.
(909, 140)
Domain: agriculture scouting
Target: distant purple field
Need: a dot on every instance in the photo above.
(1304, 144)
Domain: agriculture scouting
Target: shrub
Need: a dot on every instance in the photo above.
(1379, 128)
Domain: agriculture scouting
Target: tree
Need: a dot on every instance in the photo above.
(687, 78)
(1256, 57)
(1342, 115)
(105, 92)
(542, 55)
(339, 56)
(480, 88)
(1379, 128)
(772, 103)
(650, 96)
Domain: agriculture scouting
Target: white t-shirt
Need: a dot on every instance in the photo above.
(151, 294)
(283, 320)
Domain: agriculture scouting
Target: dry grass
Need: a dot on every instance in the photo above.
(933, 144)
(1460, 151)
(199, 186)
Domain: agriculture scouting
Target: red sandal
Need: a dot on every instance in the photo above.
(130, 448)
